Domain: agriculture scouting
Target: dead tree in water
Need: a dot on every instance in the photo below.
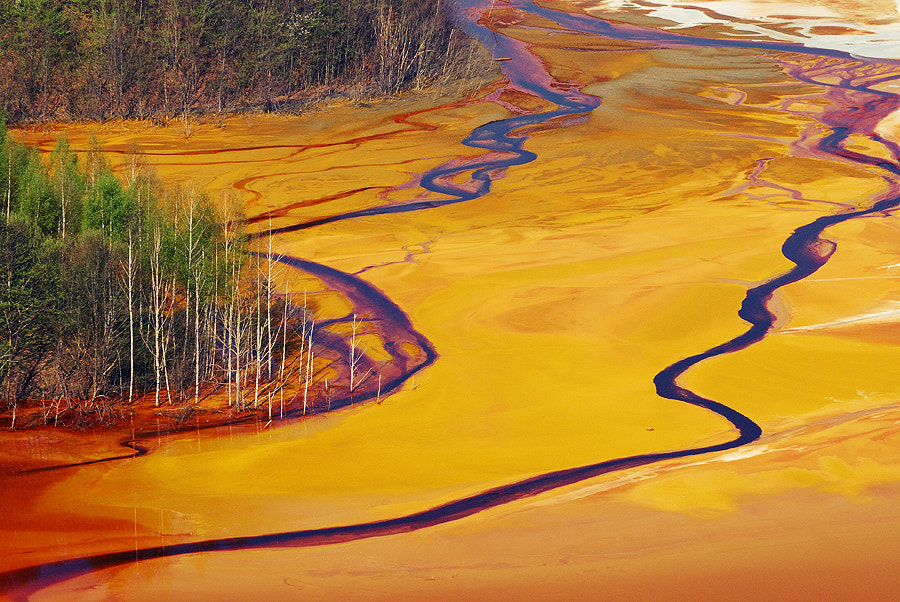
(270, 350)
(265, 344)
(310, 356)
(284, 335)
(258, 352)
(355, 356)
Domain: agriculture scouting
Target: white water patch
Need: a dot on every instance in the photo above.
(887, 315)
(647, 473)
(740, 454)
(582, 492)
(875, 34)
(889, 127)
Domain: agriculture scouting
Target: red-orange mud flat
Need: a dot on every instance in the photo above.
(553, 302)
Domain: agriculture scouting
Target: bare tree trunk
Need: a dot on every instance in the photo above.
(284, 334)
(196, 338)
(169, 338)
(269, 345)
(157, 310)
(239, 336)
(193, 273)
(159, 337)
(309, 365)
(259, 340)
(190, 270)
(8, 180)
(229, 320)
(62, 195)
(166, 372)
(355, 356)
(130, 274)
(229, 345)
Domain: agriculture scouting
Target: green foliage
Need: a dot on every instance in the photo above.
(35, 199)
(109, 208)
(120, 293)
(30, 302)
(16, 156)
(194, 244)
(68, 186)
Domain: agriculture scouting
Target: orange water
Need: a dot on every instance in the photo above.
(552, 302)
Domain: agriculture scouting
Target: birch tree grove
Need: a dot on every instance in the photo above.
(158, 316)
(140, 293)
(129, 281)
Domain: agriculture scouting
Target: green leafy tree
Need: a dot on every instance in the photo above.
(68, 186)
(109, 208)
(30, 304)
(36, 200)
